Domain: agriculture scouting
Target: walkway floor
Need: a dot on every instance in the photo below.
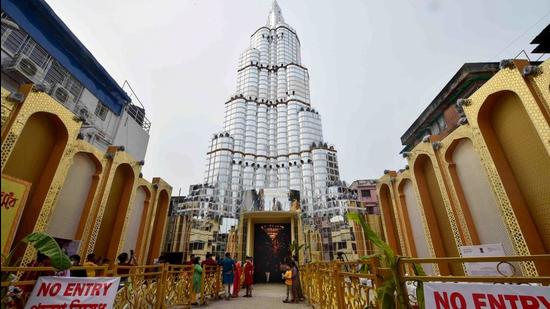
(265, 296)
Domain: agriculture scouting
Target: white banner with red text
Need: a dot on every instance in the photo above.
(73, 293)
(484, 295)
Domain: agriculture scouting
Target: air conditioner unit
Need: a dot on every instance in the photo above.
(24, 69)
(62, 95)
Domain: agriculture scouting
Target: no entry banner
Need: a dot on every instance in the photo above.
(73, 293)
(480, 295)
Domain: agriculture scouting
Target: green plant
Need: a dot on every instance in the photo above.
(419, 271)
(43, 243)
(295, 247)
(390, 290)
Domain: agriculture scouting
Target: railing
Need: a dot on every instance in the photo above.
(211, 284)
(354, 284)
(178, 285)
(341, 285)
(139, 286)
(148, 286)
(405, 275)
(325, 284)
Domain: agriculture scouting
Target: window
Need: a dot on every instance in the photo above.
(101, 111)
(365, 193)
(12, 40)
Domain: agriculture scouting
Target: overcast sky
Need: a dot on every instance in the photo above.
(374, 65)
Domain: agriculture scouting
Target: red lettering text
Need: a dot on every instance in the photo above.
(544, 301)
(49, 289)
(106, 287)
(512, 300)
(528, 302)
(456, 299)
(479, 300)
(79, 289)
(69, 289)
(441, 301)
(495, 303)
(96, 289)
(88, 287)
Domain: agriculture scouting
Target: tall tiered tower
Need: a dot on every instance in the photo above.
(272, 139)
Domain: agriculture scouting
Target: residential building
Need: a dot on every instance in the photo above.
(73, 145)
(366, 194)
(42, 50)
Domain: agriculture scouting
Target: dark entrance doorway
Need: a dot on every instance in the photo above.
(271, 244)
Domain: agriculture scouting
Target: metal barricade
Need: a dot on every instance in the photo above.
(405, 276)
(211, 282)
(149, 286)
(140, 286)
(178, 286)
(341, 285)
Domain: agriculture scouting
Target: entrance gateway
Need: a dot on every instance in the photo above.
(267, 236)
(271, 247)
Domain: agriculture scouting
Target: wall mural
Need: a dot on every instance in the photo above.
(271, 246)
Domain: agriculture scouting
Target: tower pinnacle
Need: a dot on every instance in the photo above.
(275, 15)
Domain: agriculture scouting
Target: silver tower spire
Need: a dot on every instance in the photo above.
(275, 15)
(272, 140)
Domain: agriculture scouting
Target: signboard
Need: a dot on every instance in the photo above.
(14, 196)
(480, 295)
(73, 293)
(486, 268)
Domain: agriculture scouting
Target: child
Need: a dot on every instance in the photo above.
(288, 282)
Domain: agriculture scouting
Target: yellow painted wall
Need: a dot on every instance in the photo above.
(434, 209)
(159, 225)
(134, 222)
(72, 198)
(479, 197)
(527, 158)
(34, 159)
(115, 210)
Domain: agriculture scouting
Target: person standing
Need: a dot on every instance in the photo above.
(191, 260)
(299, 291)
(248, 276)
(288, 283)
(125, 270)
(90, 262)
(227, 270)
(209, 260)
(75, 261)
(237, 278)
(295, 280)
(42, 260)
(197, 278)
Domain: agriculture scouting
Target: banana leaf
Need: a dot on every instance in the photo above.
(46, 245)
(390, 290)
(419, 271)
(371, 235)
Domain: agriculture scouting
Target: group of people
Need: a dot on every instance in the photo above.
(234, 274)
(123, 259)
